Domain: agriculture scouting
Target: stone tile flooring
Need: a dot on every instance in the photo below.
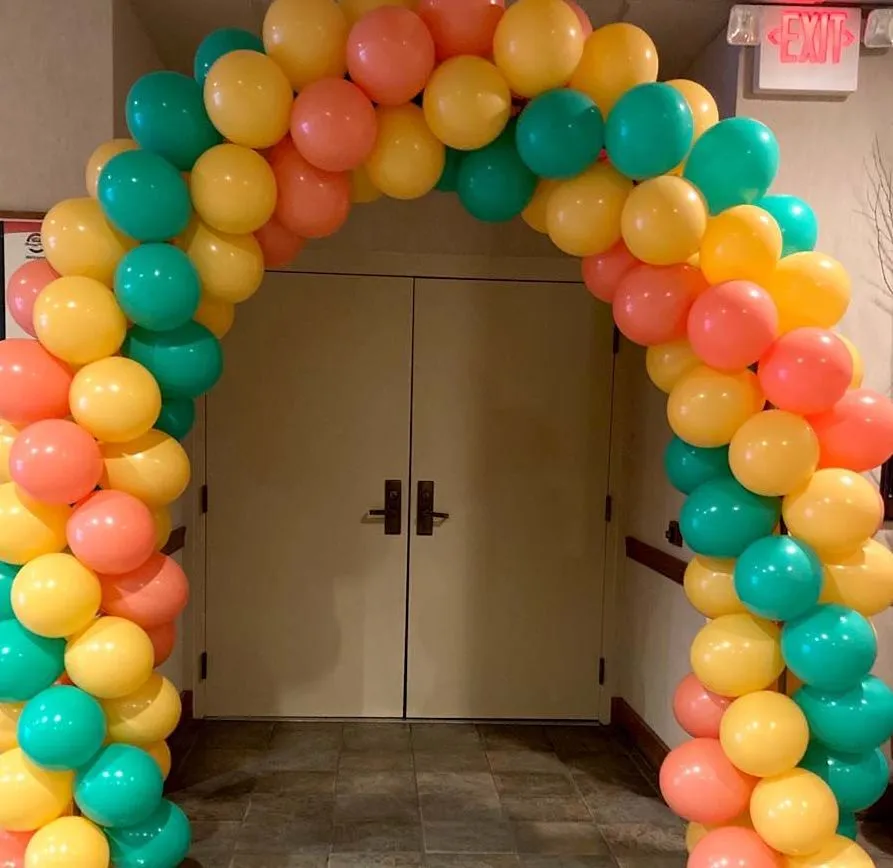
(394, 795)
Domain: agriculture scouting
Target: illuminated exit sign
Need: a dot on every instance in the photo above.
(808, 49)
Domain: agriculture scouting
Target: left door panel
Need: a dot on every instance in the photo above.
(306, 594)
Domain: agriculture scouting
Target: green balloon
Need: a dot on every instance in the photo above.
(847, 826)
(144, 196)
(494, 183)
(689, 466)
(120, 787)
(831, 647)
(62, 728)
(560, 134)
(7, 573)
(797, 221)
(177, 417)
(28, 663)
(449, 177)
(166, 115)
(186, 361)
(160, 841)
(857, 780)
(220, 42)
(649, 131)
(850, 721)
(733, 163)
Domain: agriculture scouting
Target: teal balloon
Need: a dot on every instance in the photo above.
(157, 287)
(144, 196)
(177, 417)
(733, 163)
(494, 183)
(847, 826)
(560, 134)
(28, 663)
(166, 115)
(778, 578)
(649, 131)
(160, 841)
(62, 728)
(797, 221)
(850, 721)
(857, 780)
(831, 647)
(186, 361)
(721, 518)
(7, 573)
(449, 177)
(120, 787)
(220, 42)
(689, 466)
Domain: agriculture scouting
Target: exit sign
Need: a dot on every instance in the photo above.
(808, 49)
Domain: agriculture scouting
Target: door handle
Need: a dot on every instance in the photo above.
(425, 513)
(393, 508)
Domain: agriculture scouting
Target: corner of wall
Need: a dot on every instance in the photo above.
(716, 67)
(133, 55)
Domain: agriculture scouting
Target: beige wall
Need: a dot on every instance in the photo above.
(133, 55)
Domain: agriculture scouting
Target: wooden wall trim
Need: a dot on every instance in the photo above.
(659, 561)
(633, 729)
(21, 215)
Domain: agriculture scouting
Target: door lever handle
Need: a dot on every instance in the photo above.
(393, 508)
(426, 515)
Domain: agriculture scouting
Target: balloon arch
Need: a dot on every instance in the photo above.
(521, 111)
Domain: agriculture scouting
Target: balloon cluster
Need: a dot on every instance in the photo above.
(521, 111)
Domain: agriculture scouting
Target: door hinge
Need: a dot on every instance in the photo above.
(615, 341)
(204, 496)
(601, 671)
(203, 666)
(609, 507)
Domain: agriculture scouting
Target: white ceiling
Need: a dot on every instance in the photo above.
(680, 28)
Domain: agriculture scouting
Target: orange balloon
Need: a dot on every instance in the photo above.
(461, 26)
(733, 846)
(163, 639)
(151, 595)
(603, 272)
(280, 246)
(33, 384)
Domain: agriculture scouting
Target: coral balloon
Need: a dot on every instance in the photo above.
(33, 384)
(667, 363)
(857, 432)
(22, 290)
(68, 841)
(30, 797)
(858, 364)
(112, 532)
(699, 783)
(12, 848)
(810, 290)
(28, 527)
(163, 640)
(730, 326)
(743, 243)
(603, 272)
(731, 846)
(145, 716)
(151, 595)
(390, 55)
(710, 587)
(806, 371)
(697, 710)
(279, 245)
(537, 46)
(862, 580)
(461, 26)
(839, 852)
(154, 468)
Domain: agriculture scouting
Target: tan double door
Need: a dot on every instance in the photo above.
(495, 394)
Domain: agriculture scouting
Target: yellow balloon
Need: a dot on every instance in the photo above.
(703, 107)
(161, 753)
(78, 320)
(667, 363)
(838, 852)
(467, 102)
(858, 364)
(161, 516)
(146, 716)
(809, 289)
(233, 188)
(362, 190)
(408, 159)
(248, 98)
(537, 45)
(10, 712)
(307, 38)
(30, 796)
(664, 220)
(55, 595)
(764, 733)
(115, 399)
(706, 407)
(28, 527)
(694, 834)
(737, 654)
(110, 658)
(8, 434)
(356, 9)
(153, 467)
(215, 315)
(77, 240)
(583, 215)
(230, 267)
(66, 842)
(774, 452)
(101, 156)
(616, 58)
(709, 585)
(794, 813)
(535, 214)
(835, 511)
(862, 580)
(742, 243)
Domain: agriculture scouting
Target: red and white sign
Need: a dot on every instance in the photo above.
(807, 49)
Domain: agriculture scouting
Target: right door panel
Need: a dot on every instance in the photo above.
(511, 404)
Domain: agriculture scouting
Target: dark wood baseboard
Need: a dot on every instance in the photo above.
(636, 732)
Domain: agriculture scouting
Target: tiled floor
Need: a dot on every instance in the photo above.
(332, 795)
